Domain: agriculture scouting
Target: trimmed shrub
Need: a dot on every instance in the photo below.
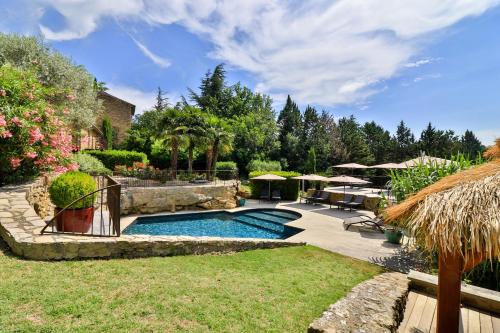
(289, 188)
(226, 170)
(89, 164)
(70, 186)
(111, 158)
(258, 165)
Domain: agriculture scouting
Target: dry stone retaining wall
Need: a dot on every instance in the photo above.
(162, 199)
(374, 306)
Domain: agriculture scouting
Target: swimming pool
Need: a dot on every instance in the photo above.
(250, 223)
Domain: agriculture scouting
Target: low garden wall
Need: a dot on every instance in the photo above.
(376, 305)
(162, 199)
(369, 203)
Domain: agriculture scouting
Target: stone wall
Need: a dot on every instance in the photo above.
(369, 203)
(37, 195)
(374, 306)
(162, 199)
(119, 112)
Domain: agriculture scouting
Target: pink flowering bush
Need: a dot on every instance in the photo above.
(33, 134)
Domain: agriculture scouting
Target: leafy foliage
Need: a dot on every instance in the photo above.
(226, 170)
(111, 158)
(33, 136)
(258, 165)
(89, 164)
(107, 131)
(289, 188)
(54, 70)
(69, 187)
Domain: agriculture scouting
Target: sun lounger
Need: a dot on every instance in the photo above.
(340, 203)
(357, 202)
(324, 197)
(276, 195)
(377, 222)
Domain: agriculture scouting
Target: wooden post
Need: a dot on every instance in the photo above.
(449, 279)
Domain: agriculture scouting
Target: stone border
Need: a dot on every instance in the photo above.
(376, 305)
(20, 227)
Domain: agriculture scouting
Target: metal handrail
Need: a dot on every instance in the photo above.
(116, 225)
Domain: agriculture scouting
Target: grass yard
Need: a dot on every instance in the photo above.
(279, 290)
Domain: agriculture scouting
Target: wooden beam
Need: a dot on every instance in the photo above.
(448, 307)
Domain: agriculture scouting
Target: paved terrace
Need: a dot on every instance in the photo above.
(323, 227)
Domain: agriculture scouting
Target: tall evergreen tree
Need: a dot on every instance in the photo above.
(290, 125)
(161, 100)
(354, 141)
(470, 144)
(403, 147)
(378, 140)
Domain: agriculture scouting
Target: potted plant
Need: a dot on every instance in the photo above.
(393, 234)
(63, 191)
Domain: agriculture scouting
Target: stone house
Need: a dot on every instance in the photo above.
(119, 112)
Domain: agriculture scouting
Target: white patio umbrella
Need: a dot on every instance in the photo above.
(351, 166)
(347, 180)
(269, 177)
(311, 177)
(425, 160)
(388, 166)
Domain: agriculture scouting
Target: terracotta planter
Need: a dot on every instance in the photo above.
(75, 220)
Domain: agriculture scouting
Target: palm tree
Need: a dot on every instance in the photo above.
(194, 124)
(219, 137)
(172, 130)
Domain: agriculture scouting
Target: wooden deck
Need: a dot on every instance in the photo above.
(420, 317)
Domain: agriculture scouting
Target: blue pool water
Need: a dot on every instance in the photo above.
(251, 223)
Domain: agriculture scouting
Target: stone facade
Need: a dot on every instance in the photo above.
(20, 227)
(120, 113)
(374, 306)
(162, 199)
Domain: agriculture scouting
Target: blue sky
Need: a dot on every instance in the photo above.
(429, 60)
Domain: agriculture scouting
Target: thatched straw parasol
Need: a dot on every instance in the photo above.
(459, 216)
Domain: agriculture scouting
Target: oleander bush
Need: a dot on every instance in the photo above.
(226, 170)
(259, 165)
(34, 137)
(289, 188)
(91, 165)
(112, 158)
(70, 186)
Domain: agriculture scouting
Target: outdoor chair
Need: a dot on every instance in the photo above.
(357, 202)
(376, 222)
(324, 197)
(264, 195)
(307, 197)
(341, 203)
(276, 195)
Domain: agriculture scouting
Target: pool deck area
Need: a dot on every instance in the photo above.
(323, 227)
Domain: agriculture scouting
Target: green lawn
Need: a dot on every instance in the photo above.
(280, 290)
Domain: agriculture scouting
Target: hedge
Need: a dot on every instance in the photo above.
(226, 170)
(111, 158)
(89, 164)
(258, 165)
(289, 188)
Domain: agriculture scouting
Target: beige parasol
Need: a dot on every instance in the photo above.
(269, 177)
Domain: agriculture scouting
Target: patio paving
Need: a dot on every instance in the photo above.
(323, 227)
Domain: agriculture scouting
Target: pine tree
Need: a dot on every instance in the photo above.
(378, 140)
(354, 141)
(290, 124)
(470, 144)
(161, 100)
(403, 144)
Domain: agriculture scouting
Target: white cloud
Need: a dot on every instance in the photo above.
(421, 62)
(162, 62)
(427, 77)
(326, 52)
(143, 100)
